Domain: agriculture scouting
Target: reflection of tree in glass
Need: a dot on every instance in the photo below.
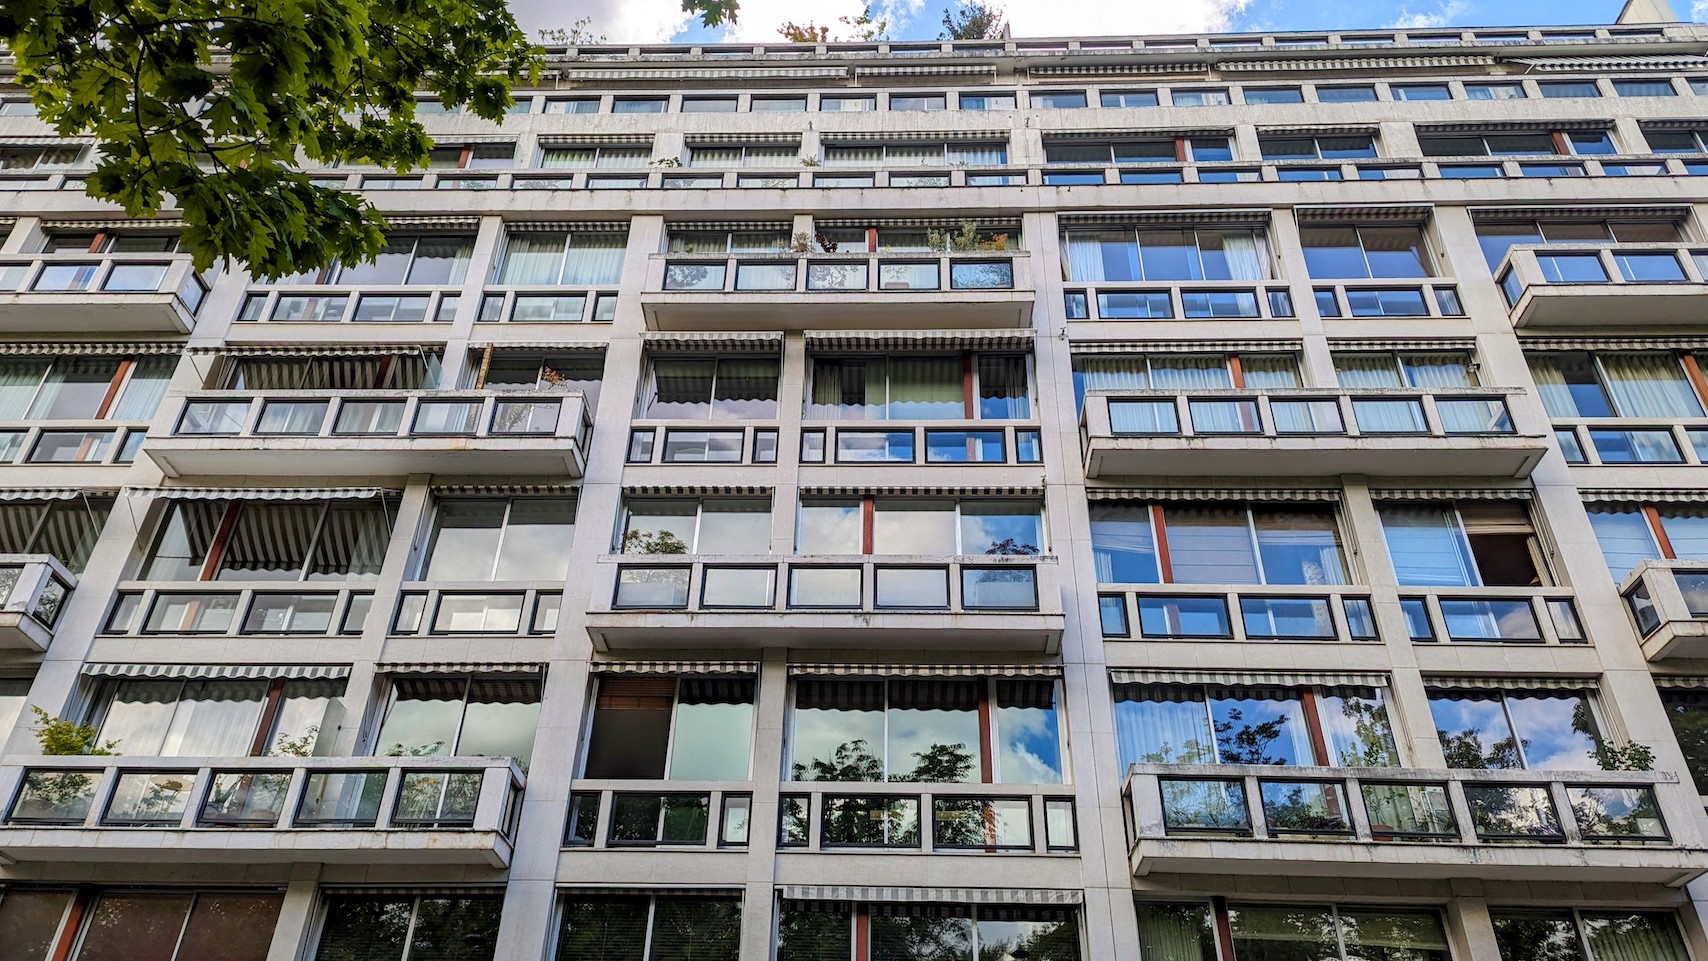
(1045, 941)
(1304, 808)
(939, 764)
(805, 934)
(694, 929)
(1538, 939)
(1464, 749)
(455, 929)
(926, 936)
(686, 276)
(1240, 743)
(1374, 746)
(851, 761)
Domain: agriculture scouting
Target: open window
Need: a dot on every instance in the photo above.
(675, 728)
(1468, 543)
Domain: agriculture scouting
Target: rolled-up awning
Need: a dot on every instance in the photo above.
(44, 493)
(1637, 494)
(1255, 678)
(1210, 494)
(757, 342)
(900, 895)
(459, 667)
(925, 670)
(674, 667)
(939, 491)
(1451, 494)
(294, 350)
(1484, 682)
(224, 671)
(57, 348)
(258, 493)
(909, 340)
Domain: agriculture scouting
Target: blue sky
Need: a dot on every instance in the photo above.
(652, 21)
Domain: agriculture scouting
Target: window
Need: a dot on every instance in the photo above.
(826, 931)
(986, 101)
(709, 104)
(1058, 99)
(1263, 96)
(36, 158)
(1199, 98)
(748, 155)
(1193, 724)
(545, 373)
(500, 539)
(1568, 89)
(1497, 237)
(66, 529)
(1671, 140)
(405, 259)
(1157, 150)
(391, 927)
(937, 730)
(352, 372)
(1182, 371)
(1362, 369)
(1539, 143)
(14, 692)
(142, 925)
(84, 388)
(1215, 544)
(1347, 251)
(778, 105)
(1644, 88)
(951, 387)
(911, 153)
(572, 105)
(1186, 931)
(1650, 383)
(1632, 533)
(1465, 544)
(1533, 935)
(1420, 91)
(480, 156)
(1128, 98)
(1494, 91)
(1347, 94)
(481, 715)
(1165, 254)
(919, 526)
(713, 525)
(574, 258)
(1542, 730)
(728, 241)
(1317, 148)
(261, 540)
(1687, 709)
(683, 729)
(220, 717)
(839, 104)
(639, 105)
(914, 102)
(711, 388)
(591, 158)
(596, 925)
(106, 241)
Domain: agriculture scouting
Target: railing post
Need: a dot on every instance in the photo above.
(388, 800)
(1461, 811)
(1145, 793)
(1254, 806)
(293, 798)
(1563, 810)
(602, 823)
(109, 780)
(1356, 811)
(199, 793)
(489, 806)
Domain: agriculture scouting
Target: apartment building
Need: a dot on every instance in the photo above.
(1215, 498)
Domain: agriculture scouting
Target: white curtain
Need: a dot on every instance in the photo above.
(1172, 931)
(1624, 537)
(1449, 369)
(1367, 370)
(19, 379)
(1082, 253)
(1162, 725)
(594, 258)
(1550, 378)
(1190, 371)
(1634, 937)
(533, 259)
(623, 158)
(842, 156)
(978, 154)
(912, 154)
(714, 157)
(1428, 546)
(771, 157)
(1241, 249)
(1649, 384)
(1263, 371)
(567, 158)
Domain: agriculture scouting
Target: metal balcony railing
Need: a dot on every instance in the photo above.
(942, 818)
(658, 814)
(1299, 412)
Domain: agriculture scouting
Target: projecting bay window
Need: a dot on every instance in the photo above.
(259, 540)
(935, 730)
(1340, 726)
(1540, 729)
(219, 717)
(480, 715)
(967, 386)
(1530, 934)
(1190, 931)
(1631, 533)
(844, 931)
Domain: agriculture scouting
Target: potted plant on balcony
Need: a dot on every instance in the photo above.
(62, 795)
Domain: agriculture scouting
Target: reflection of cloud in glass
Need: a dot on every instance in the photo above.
(1550, 740)
(829, 530)
(914, 529)
(1030, 746)
(980, 532)
(815, 734)
(914, 733)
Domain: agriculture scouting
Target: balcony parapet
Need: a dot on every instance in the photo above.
(1411, 823)
(884, 602)
(893, 816)
(1574, 285)
(349, 810)
(101, 293)
(373, 433)
(1384, 432)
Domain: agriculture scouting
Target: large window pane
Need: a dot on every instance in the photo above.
(837, 731)
(537, 533)
(1298, 546)
(913, 527)
(1633, 936)
(466, 535)
(1289, 933)
(423, 717)
(230, 927)
(134, 927)
(603, 928)
(695, 929)
(366, 927)
(1210, 545)
(75, 388)
(1624, 536)
(1001, 528)
(828, 527)
(1556, 728)
(926, 388)
(1260, 726)
(270, 541)
(29, 920)
(1356, 726)
(934, 731)
(1474, 731)
(1428, 546)
(631, 728)
(714, 729)
(1123, 544)
(183, 543)
(1159, 724)
(500, 720)
(1028, 735)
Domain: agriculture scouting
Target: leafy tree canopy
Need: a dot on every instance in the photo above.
(973, 20)
(206, 104)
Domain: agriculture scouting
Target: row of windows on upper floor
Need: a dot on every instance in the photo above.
(181, 924)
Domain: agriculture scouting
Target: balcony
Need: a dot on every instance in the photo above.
(1618, 826)
(1381, 432)
(62, 293)
(977, 602)
(1604, 285)
(367, 304)
(945, 443)
(888, 817)
(368, 433)
(33, 592)
(674, 815)
(273, 810)
(1628, 441)
(1208, 300)
(787, 291)
(1668, 601)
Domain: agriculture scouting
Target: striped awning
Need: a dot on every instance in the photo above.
(224, 671)
(925, 670)
(929, 70)
(1117, 69)
(111, 223)
(894, 136)
(665, 74)
(729, 225)
(1486, 126)
(459, 667)
(587, 345)
(1672, 123)
(1451, 494)
(705, 139)
(43, 493)
(757, 342)
(456, 139)
(1254, 678)
(1613, 343)
(533, 490)
(294, 350)
(949, 223)
(432, 222)
(912, 340)
(595, 140)
(573, 226)
(58, 348)
(696, 490)
(1317, 64)
(1600, 64)
(1639, 495)
(674, 667)
(258, 493)
(1579, 211)
(941, 491)
(1199, 215)
(1127, 133)
(1210, 494)
(1185, 346)
(1485, 682)
(1392, 213)
(1422, 343)
(899, 895)
(1677, 682)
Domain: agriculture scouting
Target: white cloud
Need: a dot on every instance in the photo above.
(1441, 16)
(1053, 18)
(1699, 10)
(624, 21)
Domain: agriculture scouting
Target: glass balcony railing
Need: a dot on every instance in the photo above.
(370, 414)
(788, 272)
(152, 609)
(989, 818)
(1299, 412)
(1570, 284)
(118, 279)
(939, 442)
(649, 814)
(470, 610)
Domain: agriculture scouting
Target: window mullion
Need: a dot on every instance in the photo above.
(314, 541)
(498, 549)
(184, 927)
(1339, 929)
(1164, 566)
(1652, 516)
(1256, 548)
(1210, 722)
(409, 933)
(462, 716)
(1512, 728)
(1606, 383)
(987, 732)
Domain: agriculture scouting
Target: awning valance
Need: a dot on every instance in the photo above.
(1279, 344)
(1388, 213)
(111, 223)
(459, 667)
(1581, 211)
(224, 671)
(1316, 64)
(663, 75)
(1451, 493)
(914, 340)
(898, 895)
(1422, 343)
(1486, 126)
(1603, 64)
(1199, 216)
(744, 225)
(1676, 682)
(1485, 682)
(45, 493)
(1638, 495)
(1211, 494)
(674, 667)
(105, 348)
(524, 490)
(1252, 678)
(258, 493)
(896, 136)
(572, 226)
(758, 342)
(925, 670)
(696, 490)
(929, 70)
(944, 223)
(432, 223)
(294, 350)
(708, 139)
(1613, 343)
(939, 491)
